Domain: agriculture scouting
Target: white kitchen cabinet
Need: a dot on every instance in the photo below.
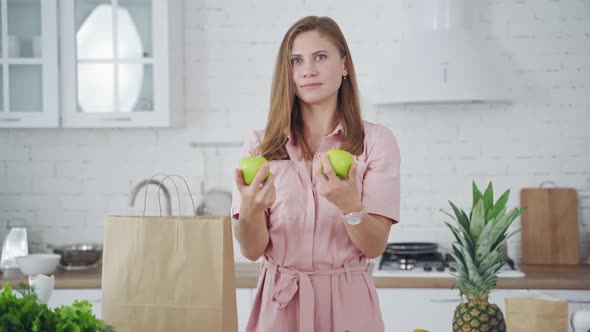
(406, 309)
(61, 297)
(403, 309)
(244, 298)
(121, 63)
(28, 64)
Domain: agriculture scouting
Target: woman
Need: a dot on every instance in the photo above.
(315, 230)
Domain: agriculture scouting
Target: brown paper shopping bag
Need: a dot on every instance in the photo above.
(539, 315)
(168, 273)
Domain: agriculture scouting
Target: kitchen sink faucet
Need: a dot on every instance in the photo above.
(154, 182)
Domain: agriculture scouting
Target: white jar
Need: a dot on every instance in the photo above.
(580, 320)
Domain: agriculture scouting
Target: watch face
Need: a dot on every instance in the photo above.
(353, 220)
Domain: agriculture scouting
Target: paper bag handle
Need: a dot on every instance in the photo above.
(177, 193)
(160, 205)
(166, 176)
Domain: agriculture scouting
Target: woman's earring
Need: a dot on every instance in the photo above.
(344, 77)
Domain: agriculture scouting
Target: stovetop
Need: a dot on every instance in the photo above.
(426, 262)
(434, 264)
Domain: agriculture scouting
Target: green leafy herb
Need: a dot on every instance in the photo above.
(25, 314)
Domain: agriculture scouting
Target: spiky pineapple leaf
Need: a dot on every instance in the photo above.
(458, 255)
(473, 272)
(490, 259)
(491, 225)
(459, 263)
(490, 267)
(499, 206)
(503, 239)
(489, 282)
(513, 233)
(499, 241)
(502, 223)
(477, 220)
(450, 215)
(488, 199)
(461, 218)
(519, 211)
(487, 238)
(483, 249)
(479, 236)
(476, 194)
(502, 226)
(461, 238)
(455, 232)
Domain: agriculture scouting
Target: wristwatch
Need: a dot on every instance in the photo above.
(355, 218)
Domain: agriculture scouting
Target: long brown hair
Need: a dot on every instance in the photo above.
(285, 112)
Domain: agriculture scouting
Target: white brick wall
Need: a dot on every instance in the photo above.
(62, 182)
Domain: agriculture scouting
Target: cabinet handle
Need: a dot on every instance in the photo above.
(445, 300)
(10, 119)
(117, 119)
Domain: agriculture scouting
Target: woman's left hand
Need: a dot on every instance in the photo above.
(342, 193)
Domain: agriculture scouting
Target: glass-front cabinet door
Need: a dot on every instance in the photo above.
(116, 62)
(28, 64)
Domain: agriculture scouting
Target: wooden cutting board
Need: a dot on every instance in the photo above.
(550, 226)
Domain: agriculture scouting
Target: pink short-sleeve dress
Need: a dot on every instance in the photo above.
(313, 278)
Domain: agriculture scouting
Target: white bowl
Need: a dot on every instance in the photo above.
(34, 264)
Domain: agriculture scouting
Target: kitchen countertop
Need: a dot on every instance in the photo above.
(536, 277)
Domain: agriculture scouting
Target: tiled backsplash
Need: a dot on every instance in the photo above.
(61, 183)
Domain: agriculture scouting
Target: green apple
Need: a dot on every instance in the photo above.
(341, 161)
(250, 166)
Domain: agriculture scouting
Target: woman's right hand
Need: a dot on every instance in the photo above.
(259, 195)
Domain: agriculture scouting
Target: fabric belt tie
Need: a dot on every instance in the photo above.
(291, 281)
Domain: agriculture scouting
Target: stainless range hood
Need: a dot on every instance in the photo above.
(443, 62)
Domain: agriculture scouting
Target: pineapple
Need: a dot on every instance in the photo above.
(478, 258)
